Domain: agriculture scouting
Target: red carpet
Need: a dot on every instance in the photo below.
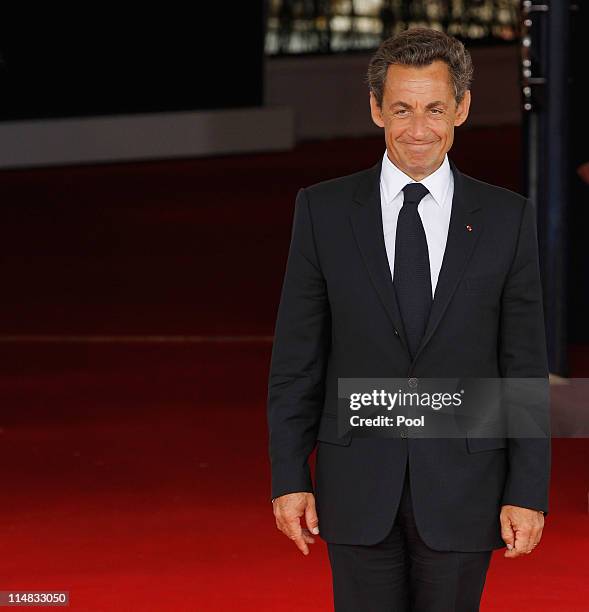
(135, 475)
(136, 478)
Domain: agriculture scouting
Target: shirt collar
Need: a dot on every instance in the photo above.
(393, 180)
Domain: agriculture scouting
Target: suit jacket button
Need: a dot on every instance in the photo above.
(396, 333)
(413, 382)
(403, 434)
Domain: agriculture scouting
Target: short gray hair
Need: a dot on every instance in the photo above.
(421, 47)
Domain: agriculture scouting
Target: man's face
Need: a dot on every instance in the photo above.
(418, 115)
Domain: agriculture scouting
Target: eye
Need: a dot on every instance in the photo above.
(401, 111)
(437, 111)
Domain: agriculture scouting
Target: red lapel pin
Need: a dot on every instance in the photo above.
(469, 228)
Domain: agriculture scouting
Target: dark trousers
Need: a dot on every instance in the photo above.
(402, 574)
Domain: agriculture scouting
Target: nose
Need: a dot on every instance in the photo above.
(417, 129)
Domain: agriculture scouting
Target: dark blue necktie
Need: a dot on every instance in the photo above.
(411, 278)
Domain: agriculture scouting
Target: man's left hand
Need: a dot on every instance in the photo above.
(521, 530)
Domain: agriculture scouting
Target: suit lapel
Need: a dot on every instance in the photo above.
(459, 247)
(366, 219)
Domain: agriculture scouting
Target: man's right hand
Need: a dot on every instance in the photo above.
(288, 510)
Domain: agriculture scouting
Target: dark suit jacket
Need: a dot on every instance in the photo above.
(338, 317)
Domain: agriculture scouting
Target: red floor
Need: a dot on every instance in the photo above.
(135, 475)
(136, 478)
(119, 479)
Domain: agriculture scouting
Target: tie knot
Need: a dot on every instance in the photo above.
(414, 193)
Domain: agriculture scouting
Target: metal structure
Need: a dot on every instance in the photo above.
(546, 81)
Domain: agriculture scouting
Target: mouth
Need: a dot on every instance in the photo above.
(419, 144)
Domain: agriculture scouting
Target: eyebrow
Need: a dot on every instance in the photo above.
(430, 105)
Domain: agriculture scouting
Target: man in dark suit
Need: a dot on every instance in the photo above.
(410, 269)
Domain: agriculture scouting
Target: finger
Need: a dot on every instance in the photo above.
(295, 532)
(513, 553)
(536, 537)
(512, 539)
(308, 537)
(301, 545)
(311, 517)
(296, 535)
(287, 531)
(523, 542)
(532, 549)
(305, 534)
(507, 534)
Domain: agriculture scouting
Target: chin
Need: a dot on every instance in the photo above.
(423, 164)
(418, 164)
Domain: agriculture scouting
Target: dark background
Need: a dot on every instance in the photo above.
(110, 61)
(578, 210)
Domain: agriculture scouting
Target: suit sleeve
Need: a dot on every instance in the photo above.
(299, 355)
(522, 356)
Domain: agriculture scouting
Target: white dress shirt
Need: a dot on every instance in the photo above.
(434, 210)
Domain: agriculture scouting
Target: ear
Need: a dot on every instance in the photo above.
(462, 109)
(376, 111)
